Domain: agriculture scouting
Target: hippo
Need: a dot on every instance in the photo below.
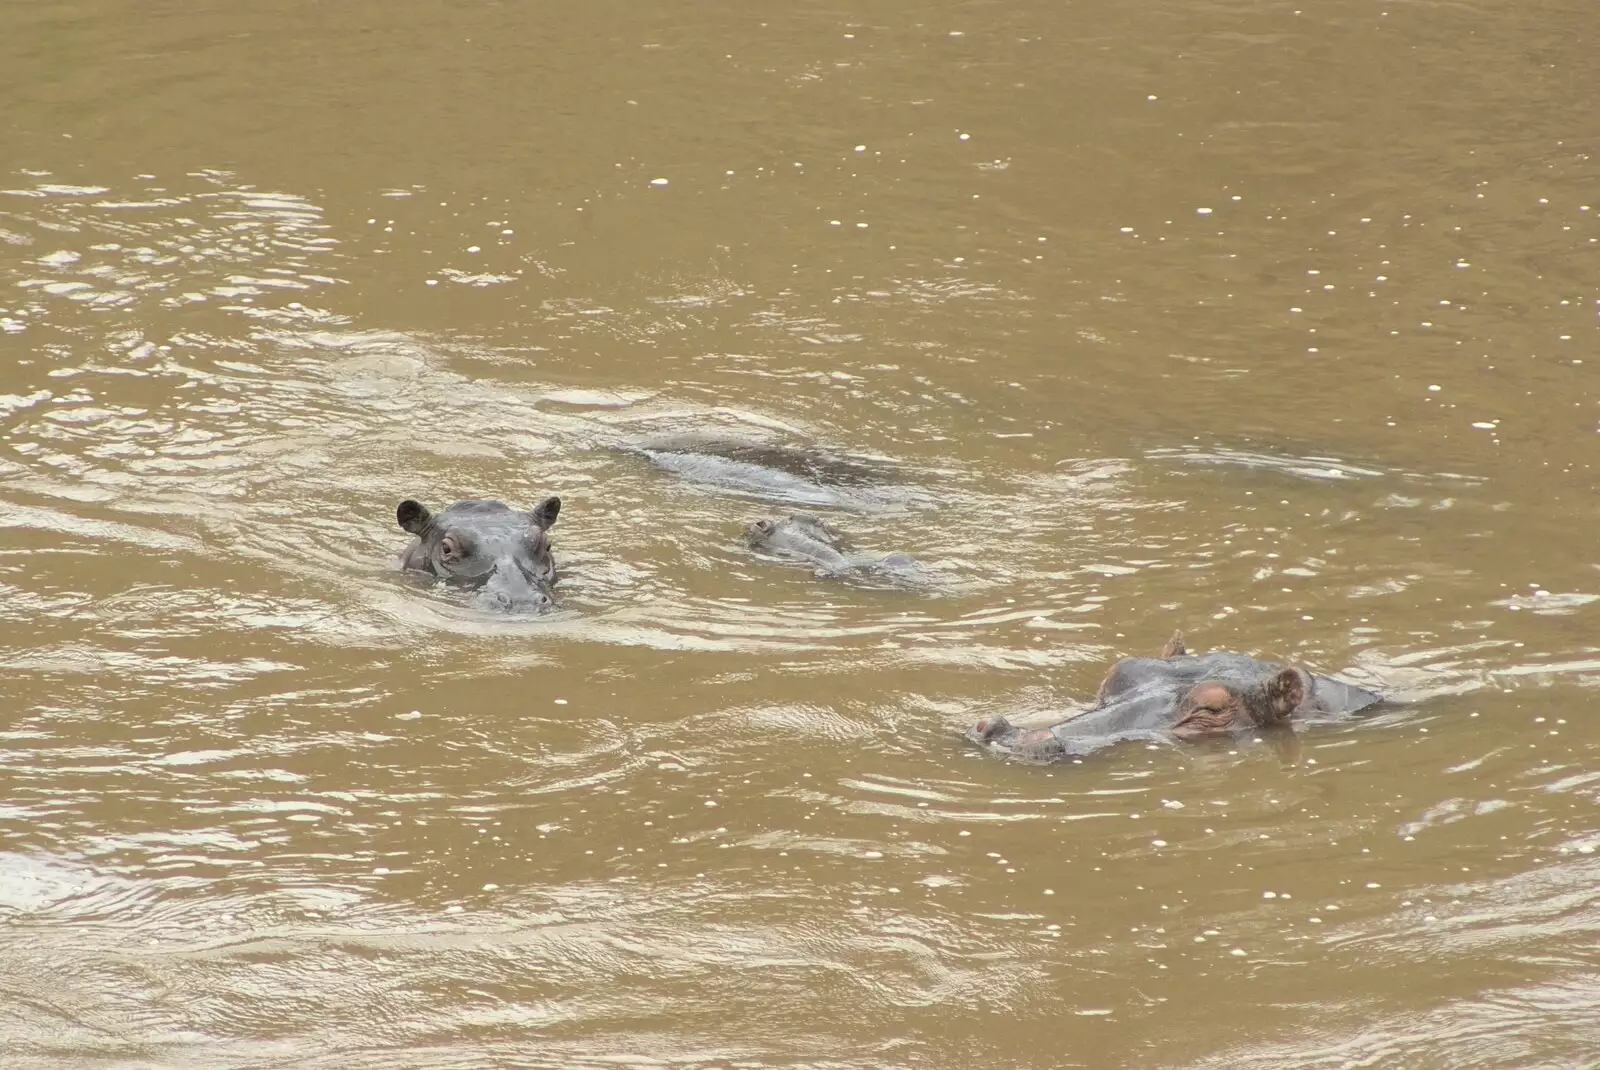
(805, 537)
(500, 552)
(1178, 696)
(789, 473)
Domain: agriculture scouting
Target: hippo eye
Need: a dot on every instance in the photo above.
(1210, 698)
(449, 547)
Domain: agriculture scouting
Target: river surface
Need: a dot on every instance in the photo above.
(1275, 324)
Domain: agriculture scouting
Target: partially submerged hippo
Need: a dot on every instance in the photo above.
(804, 537)
(790, 473)
(501, 552)
(1179, 696)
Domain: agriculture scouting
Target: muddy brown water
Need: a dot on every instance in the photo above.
(1275, 324)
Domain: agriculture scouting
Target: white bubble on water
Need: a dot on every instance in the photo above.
(658, 182)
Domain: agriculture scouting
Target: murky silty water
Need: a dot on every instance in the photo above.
(1275, 326)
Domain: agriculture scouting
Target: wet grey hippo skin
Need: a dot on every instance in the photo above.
(794, 474)
(500, 552)
(1179, 696)
(804, 537)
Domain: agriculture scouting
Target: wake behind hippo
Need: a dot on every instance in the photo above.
(791, 473)
(501, 553)
(1177, 697)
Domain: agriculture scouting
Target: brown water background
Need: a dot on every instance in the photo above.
(1273, 323)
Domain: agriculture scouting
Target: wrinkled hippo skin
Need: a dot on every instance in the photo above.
(501, 553)
(1177, 697)
(794, 474)
(804, 537)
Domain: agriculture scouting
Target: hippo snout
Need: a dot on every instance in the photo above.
(1037, 744)
(989, 729)
(509, 588)
(536, 601)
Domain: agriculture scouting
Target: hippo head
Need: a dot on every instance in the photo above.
(1180, 696)
(763, 534)
(1214, 694)
(502, 553)
(1216, 706)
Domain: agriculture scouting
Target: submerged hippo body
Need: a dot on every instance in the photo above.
(1178, 696)
(793, 474)
(500, 552)
(804, 537)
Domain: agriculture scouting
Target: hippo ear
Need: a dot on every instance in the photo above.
(412, 516)
(545, 513)
(1283, 695)
(1174, 647)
